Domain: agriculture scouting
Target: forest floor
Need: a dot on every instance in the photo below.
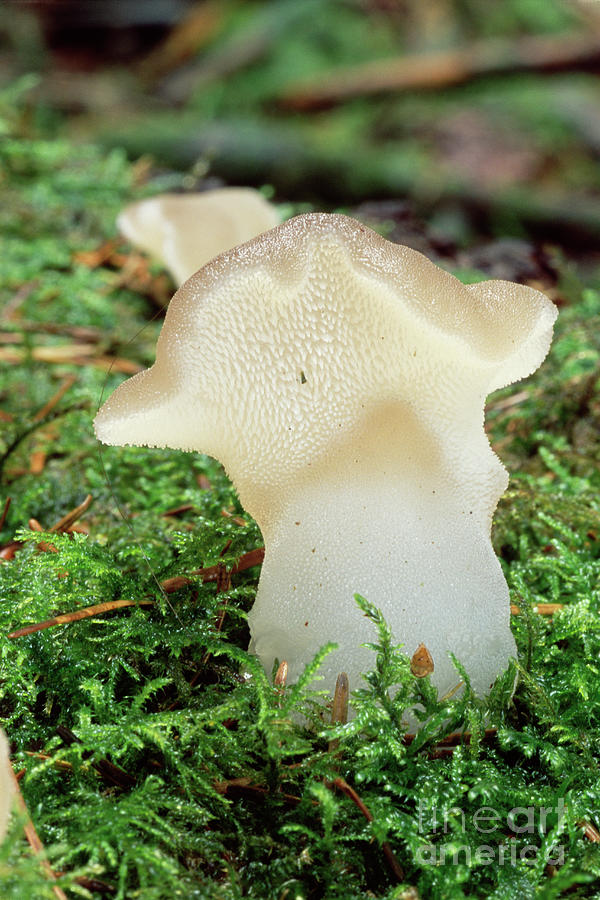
(149, 766)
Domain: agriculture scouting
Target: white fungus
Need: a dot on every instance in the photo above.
(341, 380)
(185, 231)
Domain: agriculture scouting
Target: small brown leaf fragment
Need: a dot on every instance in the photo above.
(8, 551)
(176, 583)
(135, 274)
(43, 546)
(58, 763)
(178, 510)
(37, 462)
(339, 706)
(82, 528)
(281, 674)
(237, 519)
(421, 663)
(95, 258)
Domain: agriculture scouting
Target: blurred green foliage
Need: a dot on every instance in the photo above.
(512, 150)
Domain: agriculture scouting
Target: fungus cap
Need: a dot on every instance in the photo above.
(341, 380)
(185, 231)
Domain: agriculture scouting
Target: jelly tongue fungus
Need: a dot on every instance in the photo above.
(341, 380)
(185, 231)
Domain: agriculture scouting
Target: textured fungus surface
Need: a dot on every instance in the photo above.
(341, 380)
(185, 231)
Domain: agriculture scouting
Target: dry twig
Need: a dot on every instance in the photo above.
(542, 609)
(339, 706)
(77, 615)
(63, 525)
(541, 53)
(75, 354)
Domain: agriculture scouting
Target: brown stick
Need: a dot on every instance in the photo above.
(456, 738)
(58, 763)
(178, 510)
(77, 615)
(541, 53)
(211, 573)
(74, 354)
(542, 609)
(170, 585)
(342, 785)
(71, 517)
(37, 462)
(79, 332)
(56, 398)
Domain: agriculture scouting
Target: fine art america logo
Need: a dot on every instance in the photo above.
(516, 829)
